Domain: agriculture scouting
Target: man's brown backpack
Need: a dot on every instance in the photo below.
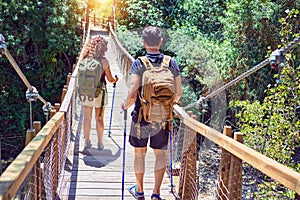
(158, 92)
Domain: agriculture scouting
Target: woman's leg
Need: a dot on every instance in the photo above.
(99, 123)
(87, 117)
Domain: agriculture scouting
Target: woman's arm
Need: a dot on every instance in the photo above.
(107, 71)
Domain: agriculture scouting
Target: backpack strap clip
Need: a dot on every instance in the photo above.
(166, 61)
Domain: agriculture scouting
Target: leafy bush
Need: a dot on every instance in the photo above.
(272, 126)
(131, 40)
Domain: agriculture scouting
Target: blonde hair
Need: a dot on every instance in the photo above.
(96, 47)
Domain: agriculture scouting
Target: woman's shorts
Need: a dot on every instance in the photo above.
(158, 135)
(100, 101)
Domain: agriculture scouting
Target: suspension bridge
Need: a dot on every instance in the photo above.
(53, 164)
(106, 165)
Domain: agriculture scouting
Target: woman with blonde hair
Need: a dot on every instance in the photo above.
(96, 49)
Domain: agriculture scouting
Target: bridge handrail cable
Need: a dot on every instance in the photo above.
(280, 52)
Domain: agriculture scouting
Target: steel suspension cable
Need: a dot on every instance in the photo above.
(32, 94)
(20, 73)
(281, 51)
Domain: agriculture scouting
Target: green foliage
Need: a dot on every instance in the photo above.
(247, 27)
(201, 16)
(270, 190)
(279, 107)
(252, 27)
(141, 13)
(131, 40)
(137, 13)
(272, 126)
(289, 31)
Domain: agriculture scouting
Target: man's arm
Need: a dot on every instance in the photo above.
(178, 89)
(132, 92)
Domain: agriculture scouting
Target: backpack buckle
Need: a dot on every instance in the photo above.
(90, 98)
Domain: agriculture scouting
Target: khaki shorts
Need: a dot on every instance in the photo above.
(98, 102)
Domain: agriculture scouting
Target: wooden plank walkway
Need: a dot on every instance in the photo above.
(98, 174)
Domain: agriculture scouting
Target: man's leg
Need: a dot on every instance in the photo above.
(139, 166)
(159, 169)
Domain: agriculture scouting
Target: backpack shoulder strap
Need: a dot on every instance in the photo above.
(166, 61)
(146, 62)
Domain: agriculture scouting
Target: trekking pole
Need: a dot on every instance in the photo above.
(171, 160)
(112, 107)
(124, 148)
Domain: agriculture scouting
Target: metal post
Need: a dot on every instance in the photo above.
(114, 15)
(124, 153)
(171, 159)
(30, 108)
(112, 107)
(0, 156)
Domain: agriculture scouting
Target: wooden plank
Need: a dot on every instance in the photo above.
(224, 170)
(235, 184)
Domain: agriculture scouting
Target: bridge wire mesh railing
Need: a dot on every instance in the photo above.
(50, 167)
(44, 178)
(40, 178)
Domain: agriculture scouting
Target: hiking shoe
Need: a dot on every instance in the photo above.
(137, 195)
(100, 146)
(87, 145)
(155, 196)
